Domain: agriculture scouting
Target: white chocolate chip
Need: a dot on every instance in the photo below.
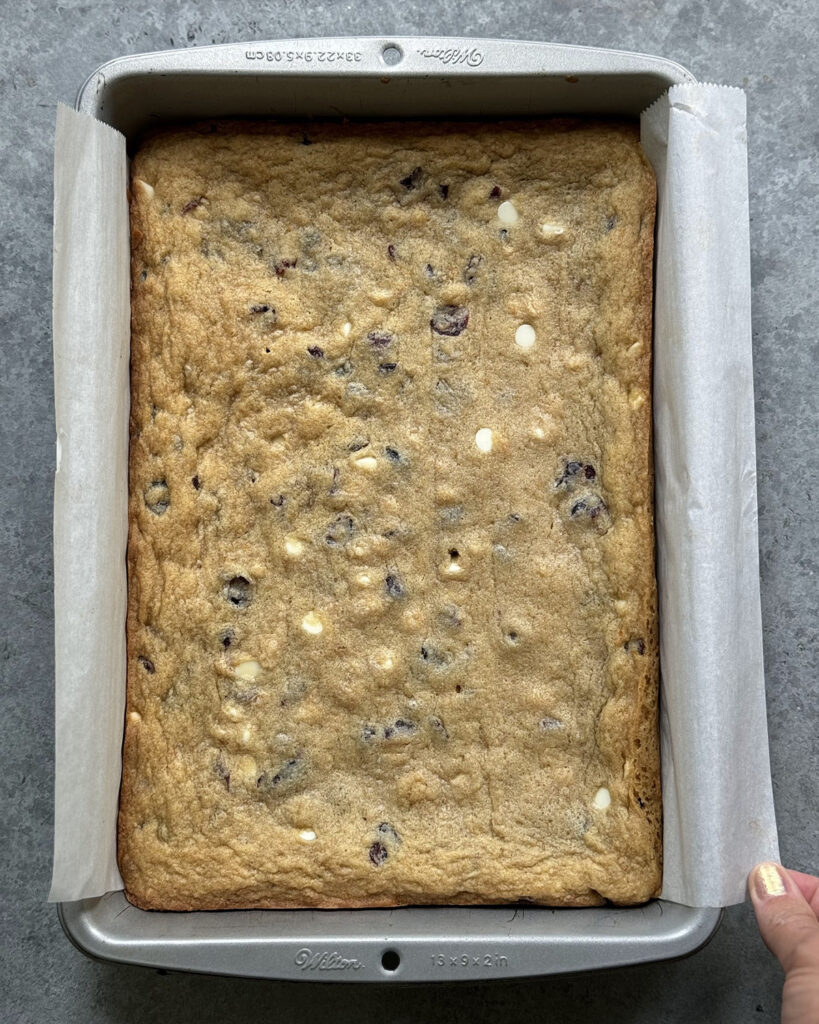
(135, 717)
(312, 624)
(602, 799)
(345, 329)
(551, 232)
(369, 463)
(636, 399)
(381, 297)
(307, 835)
(525, 336)
(364, 579)
(293, 547)
(144, 187)
(635, 349)
(384, 660)
(507, 214)
(233, 713)
(247, 669)
(538, 433)
(247, 769)
(483, 439)
(247, 733)
(453, 569)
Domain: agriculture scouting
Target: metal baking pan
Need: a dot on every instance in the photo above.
(380, 77)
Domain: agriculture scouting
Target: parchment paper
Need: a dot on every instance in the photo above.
(718, 802)
(91, 351)
(719, 817)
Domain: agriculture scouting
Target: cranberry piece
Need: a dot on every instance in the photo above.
(413, 179)
(394, 586)
(380, 339)
(450, 320)
(238, 591)
(378, 854)
(158, 497)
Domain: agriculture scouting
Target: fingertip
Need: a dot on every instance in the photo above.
(767, 880)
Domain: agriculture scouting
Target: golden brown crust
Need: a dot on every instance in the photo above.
(486, 670)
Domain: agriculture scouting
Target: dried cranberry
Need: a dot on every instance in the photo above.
(387, 367)
(340, 530)
(227, 638)
(192, 204)
(635, 644)
(611, 220)
(238, 591)
(589, 507)
(316, 352)
(394, 586)
(278, 500)
(369, 732)
(401, 726)
(439, 726)
(413, 179)
(392, 454)
(429, 270)
(443, 191)
(261, 307)
(450, 320)
(391, 251)
(288, 772)
(389, 832)
(158, 497)
(573, 472)
(147, 664)
(471, 268)
(221, 770)
(196, 484)
(380, 339)
(435, 657)
(357, 445)
(378, 854)
(495, 192)
(284, 265)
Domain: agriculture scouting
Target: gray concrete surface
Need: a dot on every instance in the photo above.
(47, 50)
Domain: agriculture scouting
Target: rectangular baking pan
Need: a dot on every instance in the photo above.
(380, 77)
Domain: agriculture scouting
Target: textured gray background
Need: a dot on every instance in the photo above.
(47, 50)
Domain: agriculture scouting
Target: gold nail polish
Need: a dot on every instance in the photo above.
(769, 880)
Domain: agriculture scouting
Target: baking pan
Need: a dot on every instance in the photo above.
(380, 77)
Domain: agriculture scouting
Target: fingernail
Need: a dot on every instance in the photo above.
(769, 880)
